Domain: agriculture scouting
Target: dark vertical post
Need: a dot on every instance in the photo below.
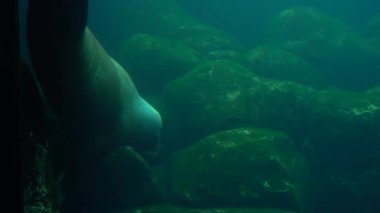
(10, 104)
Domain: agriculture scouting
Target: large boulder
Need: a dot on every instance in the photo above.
(212, 96)
(304, 24)
(275, 63)
(240, 167)
(343, 144)
(224, 94)
(215, 97)
(281, 105)
(347, 123)
(344, 57)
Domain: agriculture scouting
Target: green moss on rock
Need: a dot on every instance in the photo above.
(282, 105)
(247, 166)
(275, 63)
(211, 96)
(345, 58)
(348, 113)
(303, 23)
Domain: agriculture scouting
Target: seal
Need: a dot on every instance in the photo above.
(91, 93)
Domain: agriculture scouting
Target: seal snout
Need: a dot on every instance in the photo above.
(146, 127)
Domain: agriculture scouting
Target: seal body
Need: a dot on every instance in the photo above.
(92, 95)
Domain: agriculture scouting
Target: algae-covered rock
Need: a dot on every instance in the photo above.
(303, 24)
(343, 142)
(281, 105)
(353, 115)
(344, 129)
(275, 63)
(247, 166)
(211, 96)
(346, 58)
(327, 115)
(223, 94)
(177, 209)
(153, 61)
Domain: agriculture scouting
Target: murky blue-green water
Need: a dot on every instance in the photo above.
(266, 106)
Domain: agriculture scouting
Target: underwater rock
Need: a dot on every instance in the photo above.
(275, 63)
(153, 61)
(345, 58)
(303, 24)
(281, 105)
(124, 179)
(347, 123)
(353, 115)
(224, 94)
(212, 96)
(177, 209)
(322, 123)
(239, 167)
(343, 143)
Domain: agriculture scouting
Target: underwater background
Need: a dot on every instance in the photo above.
(268, 106)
